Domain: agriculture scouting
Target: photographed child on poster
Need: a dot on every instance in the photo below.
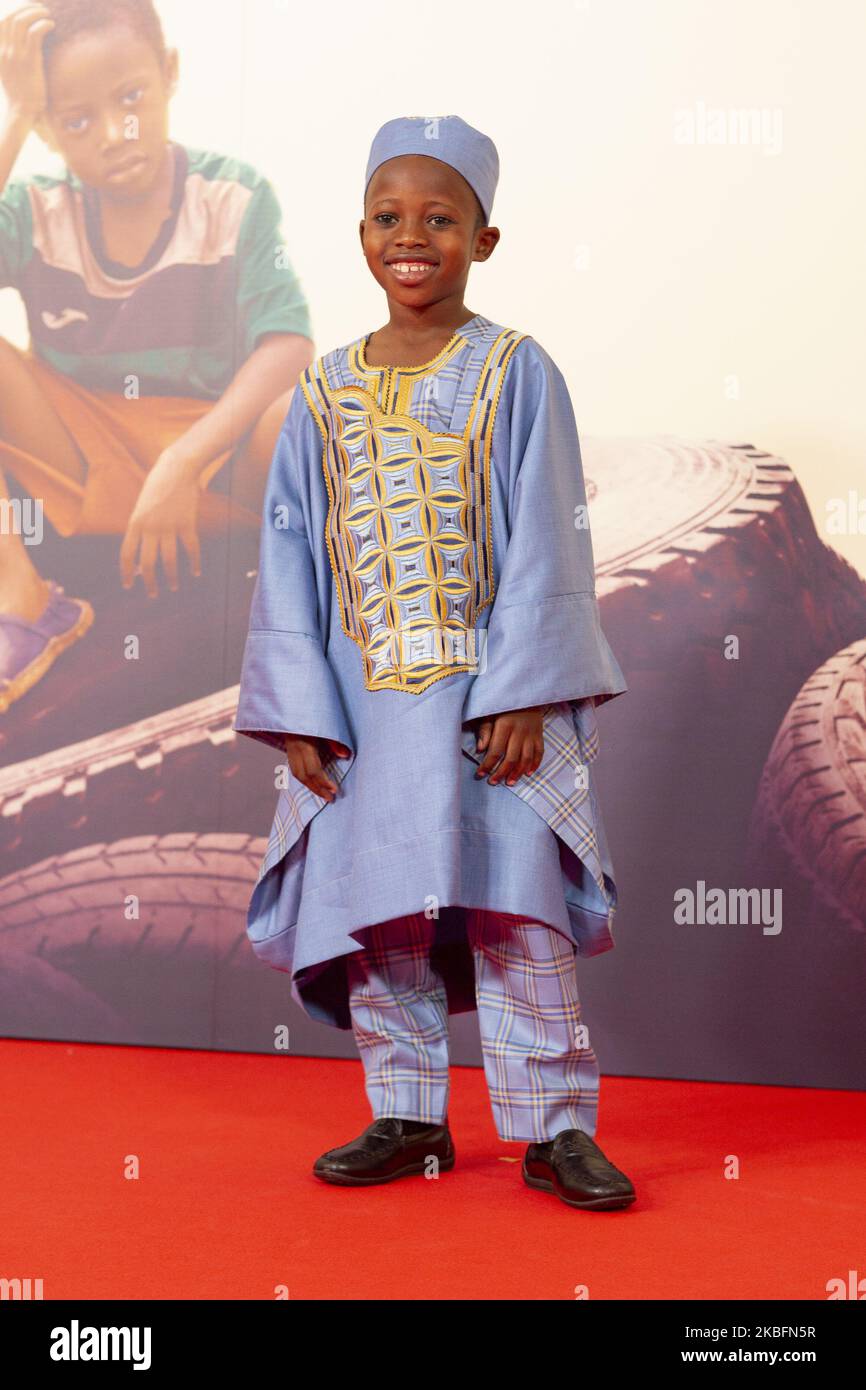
(167, 326)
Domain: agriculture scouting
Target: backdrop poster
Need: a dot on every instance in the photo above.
(675, 231)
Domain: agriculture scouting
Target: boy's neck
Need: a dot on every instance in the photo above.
(410, 340)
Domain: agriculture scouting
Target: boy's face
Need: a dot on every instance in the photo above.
(107, 106)
(421, 213)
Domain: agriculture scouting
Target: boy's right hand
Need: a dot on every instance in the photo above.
(21, 72)
(305, 762)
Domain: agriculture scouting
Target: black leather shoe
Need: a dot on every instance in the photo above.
(574, 1167)
(386, 1150)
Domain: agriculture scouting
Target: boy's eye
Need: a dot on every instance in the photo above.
(437, 217)
(77, 123)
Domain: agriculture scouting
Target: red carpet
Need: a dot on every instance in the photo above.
(226, 1206)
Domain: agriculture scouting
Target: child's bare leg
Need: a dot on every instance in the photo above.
(29, 420)
(250, 469)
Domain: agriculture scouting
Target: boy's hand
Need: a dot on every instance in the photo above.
(166, 509)
(516, 737)
(22, 75)
(305, 761)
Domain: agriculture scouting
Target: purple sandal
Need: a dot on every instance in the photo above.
(28, 649)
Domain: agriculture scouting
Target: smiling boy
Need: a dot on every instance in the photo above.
(167, 328)
(425, 644)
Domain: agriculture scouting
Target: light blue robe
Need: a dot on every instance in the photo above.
(426, 560)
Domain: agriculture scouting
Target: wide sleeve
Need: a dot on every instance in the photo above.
(545, 642)
(287, 685)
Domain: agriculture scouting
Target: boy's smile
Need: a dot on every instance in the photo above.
(412, 271)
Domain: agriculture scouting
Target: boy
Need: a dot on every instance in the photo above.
(426, 603)
(166, 327)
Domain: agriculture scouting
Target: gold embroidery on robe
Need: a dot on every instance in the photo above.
(408, 528)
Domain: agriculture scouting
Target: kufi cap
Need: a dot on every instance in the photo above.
(448, 138)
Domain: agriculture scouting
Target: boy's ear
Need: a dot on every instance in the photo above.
(486, 243)
(172, 65)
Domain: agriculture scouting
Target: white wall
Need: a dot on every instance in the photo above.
(707, 289)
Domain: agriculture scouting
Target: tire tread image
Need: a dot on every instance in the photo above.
(808, 826)
(146, 924)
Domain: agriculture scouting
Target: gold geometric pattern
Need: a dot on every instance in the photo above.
(398, 538)
(409, 529)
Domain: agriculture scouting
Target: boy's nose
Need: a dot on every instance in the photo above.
(413, 229)
(113, 138)
(410, 243)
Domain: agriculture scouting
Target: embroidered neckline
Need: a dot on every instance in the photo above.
(361, 351)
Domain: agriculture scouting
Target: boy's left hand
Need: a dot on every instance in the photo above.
(166, 509)
(515, 737)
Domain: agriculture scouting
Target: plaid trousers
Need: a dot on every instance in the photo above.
(542, 1075)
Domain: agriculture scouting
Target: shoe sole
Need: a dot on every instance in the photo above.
(26, 679)
(591, 1204)
(350, 1180)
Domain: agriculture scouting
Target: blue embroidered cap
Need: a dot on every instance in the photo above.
(447, 138)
